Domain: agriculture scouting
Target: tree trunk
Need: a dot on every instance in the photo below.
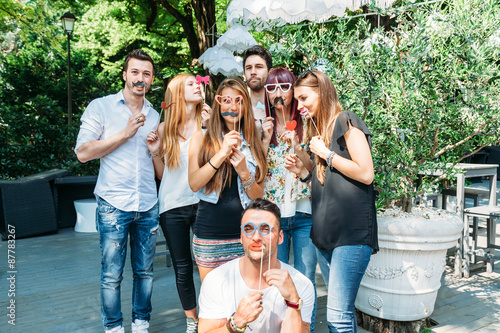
(377, 325)
(204, 12)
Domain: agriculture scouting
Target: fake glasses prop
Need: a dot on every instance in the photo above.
(226, 100)
(249, 228)
(272, 87)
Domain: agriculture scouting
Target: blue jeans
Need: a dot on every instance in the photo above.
(297, 229)
(343, 270)
(114, 227)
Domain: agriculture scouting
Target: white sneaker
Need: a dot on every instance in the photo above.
(192, 326)
(117, 329)
(140, 326)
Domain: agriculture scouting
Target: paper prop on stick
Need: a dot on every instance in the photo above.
(200, 79)
(164, 107)
(263, 229)
(204, 79)
(305, 112)
(291, 125)
(229, 101)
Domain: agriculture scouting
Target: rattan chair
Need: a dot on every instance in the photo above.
(27, 204)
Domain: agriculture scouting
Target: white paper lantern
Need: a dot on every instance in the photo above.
(236, 39)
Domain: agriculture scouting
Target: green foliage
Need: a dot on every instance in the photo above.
(33, 109)
(428, 89)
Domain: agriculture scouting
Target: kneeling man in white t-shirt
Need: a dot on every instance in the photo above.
(257, 293)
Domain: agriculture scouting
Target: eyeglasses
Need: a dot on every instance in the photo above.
(249, 228)
(304, 73)
(226, 100)
(284, 87)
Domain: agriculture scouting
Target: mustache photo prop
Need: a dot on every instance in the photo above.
(279, 99)
(229, 113)
(141, 84)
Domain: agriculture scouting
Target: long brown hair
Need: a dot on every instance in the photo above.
(329, 109)
(212, 140)
(175, 116)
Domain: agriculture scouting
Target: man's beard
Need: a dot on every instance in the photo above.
(257, 85)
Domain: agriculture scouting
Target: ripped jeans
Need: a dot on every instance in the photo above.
(114, 226)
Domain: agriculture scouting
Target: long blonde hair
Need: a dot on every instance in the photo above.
(329, 109)
(175, 117)
(212, 141)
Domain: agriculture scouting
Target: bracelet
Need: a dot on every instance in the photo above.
(229, 327)
(246, 180)
(154, 154)
(249, 183)
(216, 169)
(236, 328)
(329, 158)
(308, 177)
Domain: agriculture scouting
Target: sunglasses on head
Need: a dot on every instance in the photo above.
(249, 228)
(272, 87)
(227, 100)
(307, 71)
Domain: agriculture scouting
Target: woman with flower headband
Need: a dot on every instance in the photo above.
(343, 200)
(282, 187)
(184, 114)
(227, 166)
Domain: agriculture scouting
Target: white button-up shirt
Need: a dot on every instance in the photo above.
(126, 176)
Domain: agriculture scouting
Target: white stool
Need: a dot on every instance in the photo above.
(85, 215)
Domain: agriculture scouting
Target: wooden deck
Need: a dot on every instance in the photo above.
(57, 290)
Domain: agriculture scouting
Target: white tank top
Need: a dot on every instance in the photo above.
(174, 188)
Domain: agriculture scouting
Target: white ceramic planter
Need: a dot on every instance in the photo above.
(402, 279)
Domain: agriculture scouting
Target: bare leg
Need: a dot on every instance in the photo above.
(203, 272)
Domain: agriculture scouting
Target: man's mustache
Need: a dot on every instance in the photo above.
(142, 84)
(279, 99)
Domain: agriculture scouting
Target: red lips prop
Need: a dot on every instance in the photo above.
(257, 247)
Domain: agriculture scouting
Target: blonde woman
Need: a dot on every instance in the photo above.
(344, 227)
(227, 167)
(178, 204)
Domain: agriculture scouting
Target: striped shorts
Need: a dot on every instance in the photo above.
(212, 253)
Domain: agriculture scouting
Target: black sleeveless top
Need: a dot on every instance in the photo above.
(220, 220)
(343, 209)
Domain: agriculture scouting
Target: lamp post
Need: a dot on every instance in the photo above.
(68, 21)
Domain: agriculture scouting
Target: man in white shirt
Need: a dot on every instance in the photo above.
(114, 129)
(257, 293)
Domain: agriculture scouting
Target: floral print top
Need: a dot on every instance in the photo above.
(274, 183)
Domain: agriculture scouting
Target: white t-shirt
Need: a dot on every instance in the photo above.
(224, 287)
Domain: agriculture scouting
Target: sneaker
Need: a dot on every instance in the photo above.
(192, 326)
(117, 329)
(140, 326)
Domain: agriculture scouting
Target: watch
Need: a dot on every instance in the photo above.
(297, 305)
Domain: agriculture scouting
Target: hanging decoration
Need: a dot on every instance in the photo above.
(236, 38)
(219, 60)
(279, 12)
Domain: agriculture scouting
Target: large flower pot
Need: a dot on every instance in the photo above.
(402, 279)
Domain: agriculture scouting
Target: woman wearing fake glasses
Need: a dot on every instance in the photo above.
(227, 167)
(283, 187)
(343, 200)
